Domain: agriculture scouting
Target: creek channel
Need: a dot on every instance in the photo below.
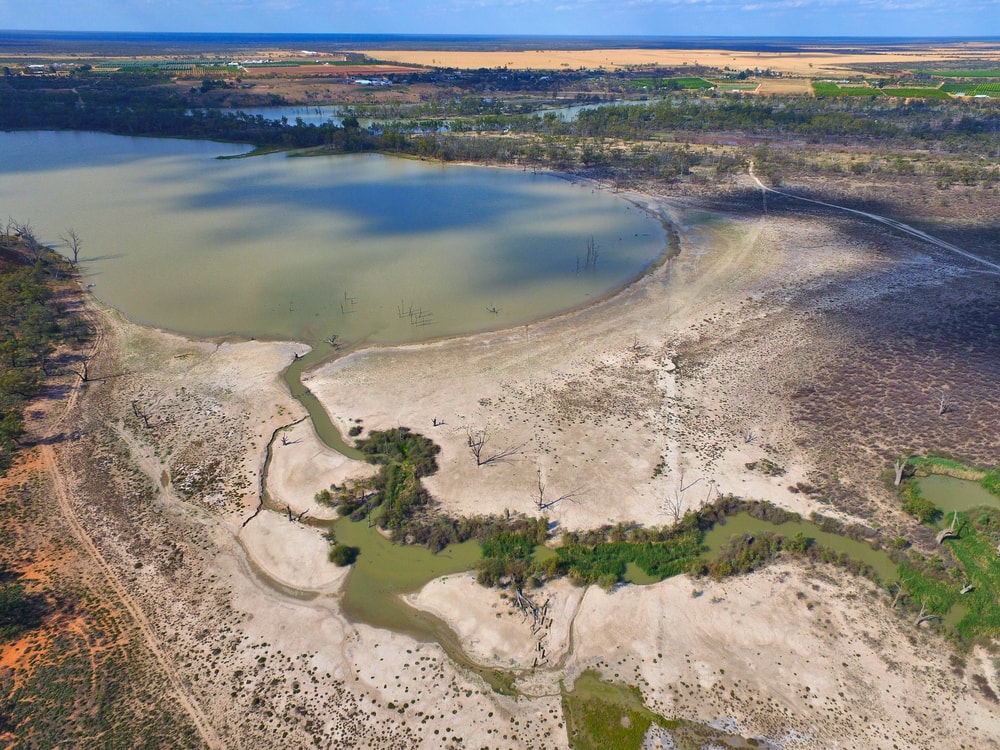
(368, 249)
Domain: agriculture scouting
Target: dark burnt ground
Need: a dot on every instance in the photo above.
(882, 364)
(933, 331)
(865, 355)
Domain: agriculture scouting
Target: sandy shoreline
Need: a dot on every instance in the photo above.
(619, 407)
(583, 398)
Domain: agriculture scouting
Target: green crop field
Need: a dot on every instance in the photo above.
(961, 73)
(960, 88)
(972, 89)
(827, 88)
(691, 83)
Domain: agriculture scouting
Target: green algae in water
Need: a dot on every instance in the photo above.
(384, 571)
(601, 715)
(638, 576)
(744, 523)
(951, 494)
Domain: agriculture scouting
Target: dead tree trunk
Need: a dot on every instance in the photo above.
(899, 465)
(950, 531)
(477, 440)
(943, 404)
(924, 616)
(82, 371)
(540, 500)
(73, 242)
(140, 414)
(899, 592)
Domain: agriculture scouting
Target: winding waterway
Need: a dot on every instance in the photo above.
(365, 248)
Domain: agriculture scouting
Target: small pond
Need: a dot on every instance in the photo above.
(951, 494)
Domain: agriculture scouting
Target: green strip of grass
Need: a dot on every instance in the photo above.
(824, 88)
(981, 566)
(961, 73)
(946, 466)
(916, 92)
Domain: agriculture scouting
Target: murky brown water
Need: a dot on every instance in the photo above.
(367, 247)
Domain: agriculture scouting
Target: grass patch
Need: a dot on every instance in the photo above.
(916, 92)
(991, 482)
(961, 73)
(947, 466)
(828, 88)
(688, 83)
(933, 584)
(975, 551)
(601, 715)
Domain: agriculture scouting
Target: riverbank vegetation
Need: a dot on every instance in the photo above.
(518, 551)
(962, 579)
(959, 583)
(33, 321)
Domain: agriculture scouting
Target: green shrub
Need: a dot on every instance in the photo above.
(991, 482)
(343, 554)
(916, 504)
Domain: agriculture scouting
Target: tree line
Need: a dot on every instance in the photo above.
(32, 322)
(141, 104)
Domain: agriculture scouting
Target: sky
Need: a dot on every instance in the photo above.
(864, 18)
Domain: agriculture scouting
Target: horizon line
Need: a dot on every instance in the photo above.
(478, 35)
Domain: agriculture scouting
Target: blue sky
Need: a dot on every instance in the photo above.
(604, 17)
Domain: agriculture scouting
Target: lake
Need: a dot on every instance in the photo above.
(368, 247)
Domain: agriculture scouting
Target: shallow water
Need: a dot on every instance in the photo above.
(951, 494)
(368, 247)
(744, 523)
(384, 571)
